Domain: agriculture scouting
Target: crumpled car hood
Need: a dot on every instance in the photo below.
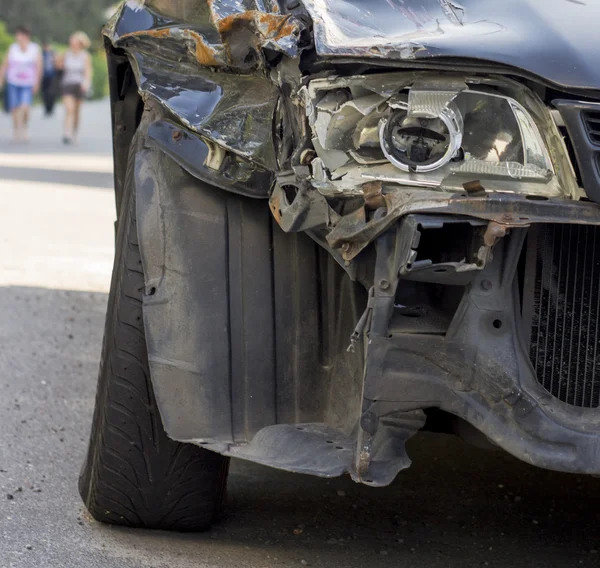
(554, 39)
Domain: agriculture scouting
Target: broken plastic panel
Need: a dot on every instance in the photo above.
(443, 250)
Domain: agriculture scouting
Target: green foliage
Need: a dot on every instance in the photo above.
(5, 40)
(100, 78)
(55, 20)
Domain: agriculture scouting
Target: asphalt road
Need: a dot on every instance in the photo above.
(455, 507)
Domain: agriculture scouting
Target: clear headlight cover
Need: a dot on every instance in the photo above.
(433, 137)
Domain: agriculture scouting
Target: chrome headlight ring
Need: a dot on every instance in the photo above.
(421, 137)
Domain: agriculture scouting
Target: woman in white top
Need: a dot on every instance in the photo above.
(76, 64)
(21, 70)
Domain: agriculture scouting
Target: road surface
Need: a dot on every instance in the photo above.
(456, 507)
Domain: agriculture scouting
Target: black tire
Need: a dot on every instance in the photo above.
(134, 474)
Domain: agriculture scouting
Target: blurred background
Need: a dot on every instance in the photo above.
(54, 21)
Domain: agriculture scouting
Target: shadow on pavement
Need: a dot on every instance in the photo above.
(92, 179)
(457, 506)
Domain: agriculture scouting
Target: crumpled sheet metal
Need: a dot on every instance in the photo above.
(217, 33)
(176, 48)
(235, 111)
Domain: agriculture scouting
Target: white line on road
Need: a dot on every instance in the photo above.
(59, 162)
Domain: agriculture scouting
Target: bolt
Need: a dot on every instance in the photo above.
(486, 284)
(384, 284)
(507, 217)
(177, 135)
(369, 422)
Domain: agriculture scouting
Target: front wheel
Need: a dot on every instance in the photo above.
(134, 474)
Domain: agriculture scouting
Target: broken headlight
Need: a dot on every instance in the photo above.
(438, 134)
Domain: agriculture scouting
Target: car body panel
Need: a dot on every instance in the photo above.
(555, 39)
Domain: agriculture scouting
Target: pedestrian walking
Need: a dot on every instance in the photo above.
(49, 78)
(21, 71)
(76, 66)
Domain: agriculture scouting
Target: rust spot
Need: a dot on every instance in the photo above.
(270, 26)
(494, 232)
(205, 54)
(159, 33)
(372, 195)
(274, 26)
(227, 23)
(474, 188)
(275, 205)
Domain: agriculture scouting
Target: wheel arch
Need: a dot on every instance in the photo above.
(126, 113)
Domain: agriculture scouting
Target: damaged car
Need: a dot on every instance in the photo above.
(341, 222)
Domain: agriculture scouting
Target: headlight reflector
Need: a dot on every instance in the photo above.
(419, 142)
(416, 129)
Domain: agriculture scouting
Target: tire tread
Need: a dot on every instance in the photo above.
(134, 474)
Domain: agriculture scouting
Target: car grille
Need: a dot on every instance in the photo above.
(592, 125)
(562, 283)
(582, 121)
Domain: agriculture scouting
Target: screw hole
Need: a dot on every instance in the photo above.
(330, 441)
(497, 323)
(439, 270)
(152, 291)
(299, 428)
(339, 447)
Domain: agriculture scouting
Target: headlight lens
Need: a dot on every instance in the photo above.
(423, 142)
(427, 137)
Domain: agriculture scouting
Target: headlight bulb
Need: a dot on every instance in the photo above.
(420, 142)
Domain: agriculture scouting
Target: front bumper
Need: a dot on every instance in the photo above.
(291, 396)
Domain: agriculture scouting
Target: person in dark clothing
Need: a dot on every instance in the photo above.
(49, 79)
